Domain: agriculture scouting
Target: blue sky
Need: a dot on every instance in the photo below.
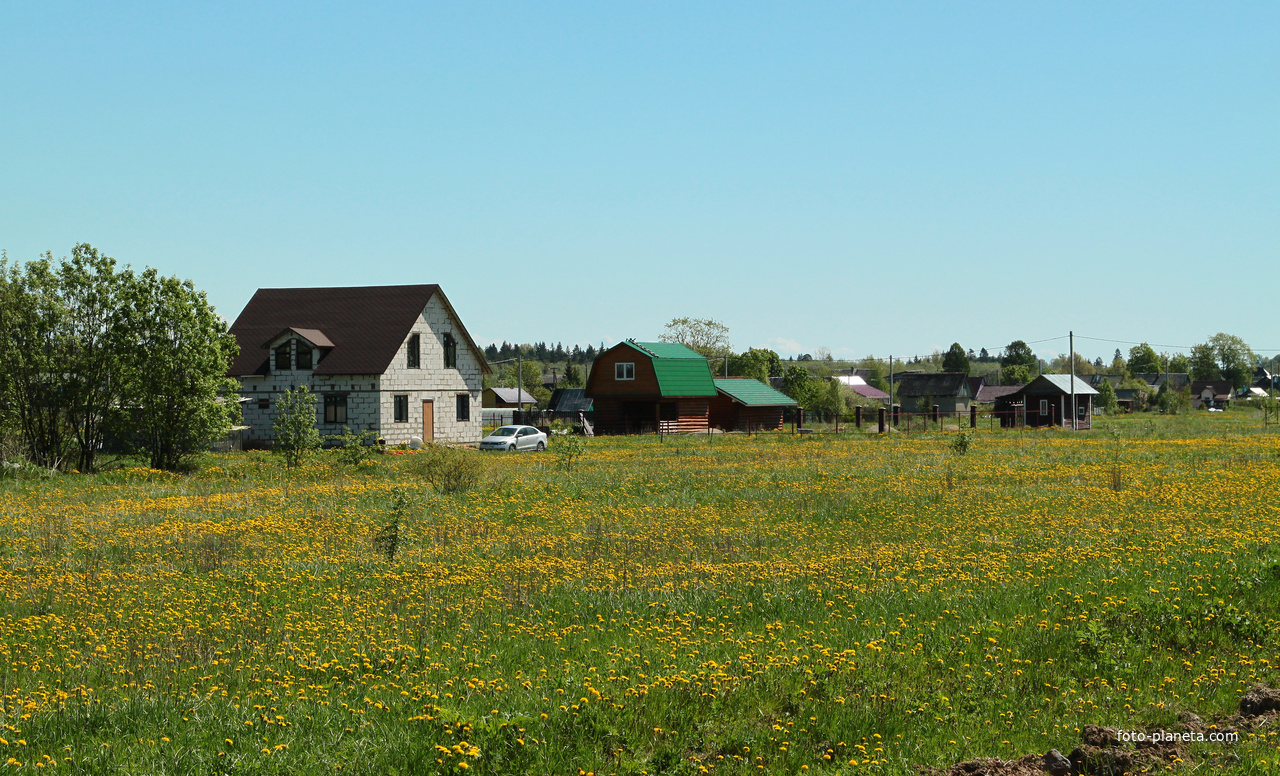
(869, 178)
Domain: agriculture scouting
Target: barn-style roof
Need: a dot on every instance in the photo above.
(752, 392)
(366, 325)
(681, 371)
(935, 384)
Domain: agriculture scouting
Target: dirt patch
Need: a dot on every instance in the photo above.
(1103, 752)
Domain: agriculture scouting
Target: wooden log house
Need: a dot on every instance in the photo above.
(639, 387)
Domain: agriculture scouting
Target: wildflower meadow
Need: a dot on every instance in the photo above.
(836, 603)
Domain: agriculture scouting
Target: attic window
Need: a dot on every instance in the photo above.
(415, 351)
(450, 352)
(304, 356)
(283, 357)
(624, 370)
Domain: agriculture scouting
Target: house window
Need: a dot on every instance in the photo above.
(464, 406)
(283, 360)
(415, 351)
(1044, 406)
(335, 408)
(624, 370)
(264, 404)
(402, 408)
(304, 356)
(450, 352)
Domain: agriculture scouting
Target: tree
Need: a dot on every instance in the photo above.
(572, 376)
(1107, 398)
(955, 359)
(1017, 363)
(830, 400)
(295, 425)
(1061, 365)
(1143, 359)
(1118, 365)
(705, 335)
(1203, 365)
(797, 384)
(1177, 363)
(178, 356)
(759, 363)
(1236, 360)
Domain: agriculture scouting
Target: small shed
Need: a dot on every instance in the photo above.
(650, 386)
(506, 398)
(746, 404)
(569, 401)
(918, 392)
(1047, 400)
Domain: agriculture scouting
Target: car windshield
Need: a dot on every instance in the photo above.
(505, 431)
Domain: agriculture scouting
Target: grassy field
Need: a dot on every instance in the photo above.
(770, 604)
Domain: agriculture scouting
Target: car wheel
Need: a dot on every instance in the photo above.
(542, 446)
(512, 449)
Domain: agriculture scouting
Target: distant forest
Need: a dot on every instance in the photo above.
(541, 351)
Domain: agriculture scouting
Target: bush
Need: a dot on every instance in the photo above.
(962, 443)
(568, 449)
(448, 469)
(355, 447)
(295, 425)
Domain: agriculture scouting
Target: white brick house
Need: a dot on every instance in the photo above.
(395, 360)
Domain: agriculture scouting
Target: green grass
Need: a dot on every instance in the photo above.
(840, 603)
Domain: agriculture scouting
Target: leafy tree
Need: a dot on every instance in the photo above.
(798, 384)
(705, 335)
(1178, 363)
(1203, 364)
(178, 356)
(1107, 398)
(1119, 366)
(1061, 365)
(759, 363)
(830, 400)
(1017, 363)
(955, 359)
(295, 425)
(1235, 358)
(1143, 358)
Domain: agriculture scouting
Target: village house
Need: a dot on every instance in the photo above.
(1212, 393)
(920, 391)
(394, 360)
(650, 386)
(1047, 401)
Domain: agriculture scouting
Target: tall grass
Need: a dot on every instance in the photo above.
(769, 604)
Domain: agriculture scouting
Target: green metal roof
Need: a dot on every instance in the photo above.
(681, 371)
(753, 393)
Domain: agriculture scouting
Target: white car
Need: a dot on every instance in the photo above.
(513, 438)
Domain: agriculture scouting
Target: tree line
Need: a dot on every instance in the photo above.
(96, 357)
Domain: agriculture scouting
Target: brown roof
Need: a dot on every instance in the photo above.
(989, 393)
(935, 384)
(365, 324)
(314, 336)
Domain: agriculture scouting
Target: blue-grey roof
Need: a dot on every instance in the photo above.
(1061, 382)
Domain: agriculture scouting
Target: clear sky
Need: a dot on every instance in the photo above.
(866, 177)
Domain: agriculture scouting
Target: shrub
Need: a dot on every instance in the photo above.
(354, 447)
(448, 469)
(568, 449)
(962, 442)
(295, 425)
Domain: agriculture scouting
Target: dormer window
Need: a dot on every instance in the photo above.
(414, 351)
(624, 370)
(450, 352)
(284, 360)
(304, 356)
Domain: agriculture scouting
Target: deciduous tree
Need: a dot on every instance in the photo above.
(705, 335)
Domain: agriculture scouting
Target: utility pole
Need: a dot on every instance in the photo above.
(1071, 340)
(890, 386)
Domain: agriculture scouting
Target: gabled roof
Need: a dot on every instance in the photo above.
(989, 393)
(1097, 380)
(509, 395)
(1177, 380)
(1056, 384)
(569, 400)
(935, 384)
(976, 384)
(366, 325)
(868, 391)
(681, 371)
(314, 336)
(752, 392)
(1222, 389)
